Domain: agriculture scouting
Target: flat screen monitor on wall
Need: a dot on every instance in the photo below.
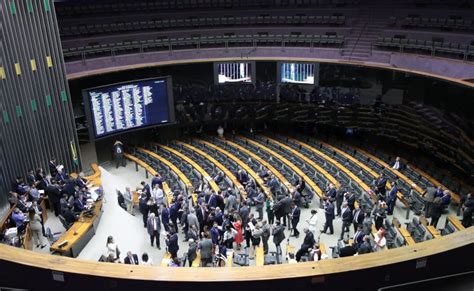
(297, 73)
(117, 108)
(234, 72)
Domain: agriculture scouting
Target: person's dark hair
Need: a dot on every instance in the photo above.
(110, 239)
(145, 257)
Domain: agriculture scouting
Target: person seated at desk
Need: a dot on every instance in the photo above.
(131, 259)
(34, 193)
(242, 177)
(82, 182)
(19, 186)
(60, 175)
(79, 203)
(348, 249)
(69, 215)
(19, 218)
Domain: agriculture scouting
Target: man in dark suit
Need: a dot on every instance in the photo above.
(350, 199)
(131, 259)
(212, 201)
(348, 250)
(157, 180)
(118, 151)
(146, 189)
(392, 199)
(381, 183)
(53, 170)
(144, 208)
(295, 219)
(358, 237)
(30, 178)
(79, 204)
(329, 214)
(54, 195)
(202, 214)
(358, 217)
(346, 219)
(365, 247)
(192, 251)
(308, 243)
(165, 217)
(172, 243)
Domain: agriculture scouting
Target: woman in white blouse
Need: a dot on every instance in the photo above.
(112, 249)
(312, 222)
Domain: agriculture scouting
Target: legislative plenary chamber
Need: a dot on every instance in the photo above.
(228, 144)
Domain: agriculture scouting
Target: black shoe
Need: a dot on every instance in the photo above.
(43, 246)
(159, 248)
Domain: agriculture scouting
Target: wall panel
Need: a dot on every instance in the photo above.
(37, 121)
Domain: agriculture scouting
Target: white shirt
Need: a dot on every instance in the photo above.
(148, 263)
(379, 243)
(157, 194)
(312, 222)
(112, 249)
(396, 166)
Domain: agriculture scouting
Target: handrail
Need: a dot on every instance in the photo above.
(358, 38)
(272, 272)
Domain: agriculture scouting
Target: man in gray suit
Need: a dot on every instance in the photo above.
(193, 220)
(278, 233)
(154, 228)
(429, 198)
(244, 213)
(231, 202)
(206, 250)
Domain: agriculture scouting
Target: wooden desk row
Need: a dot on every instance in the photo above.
(193, 164)
(368, 170)
(220, 166)
(338, 165)
(292, 166)
(397, 173)
(264, 163)
(313, 185)
(79, 234)
(456, 197)
(241, 164)
(153, 172)
(406, 236)
(454, 221)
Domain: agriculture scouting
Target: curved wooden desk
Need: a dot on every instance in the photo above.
(241, 164)
(292, 166)
(79, 234)
(219, 165)
(423, 260)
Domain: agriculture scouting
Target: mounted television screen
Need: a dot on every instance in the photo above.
(297, 73)
(234, 72)
(132, 105)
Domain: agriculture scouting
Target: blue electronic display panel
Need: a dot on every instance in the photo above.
(120, 107)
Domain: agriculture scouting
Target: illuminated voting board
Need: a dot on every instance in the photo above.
(120, 107)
